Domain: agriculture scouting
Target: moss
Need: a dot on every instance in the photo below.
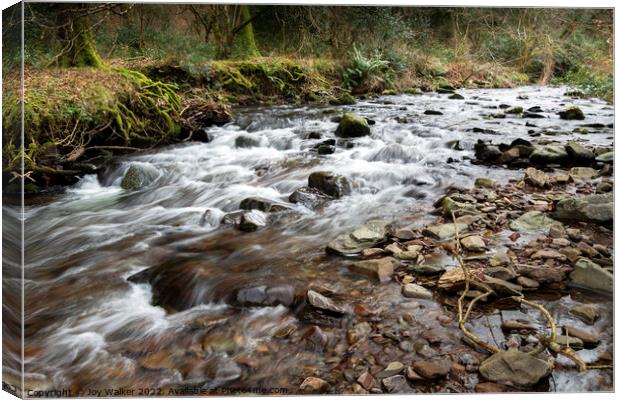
(244, 45)
(389, 92)
(343, 98)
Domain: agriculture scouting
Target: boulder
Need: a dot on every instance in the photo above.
(533, 221)
(550, 154)
(444, 231)
(456, 96)
(607, 157)
(595, 208)
(572, 112)
(514, 110)
(536, 177)
(246, 141)
(585, 312)
(486, 152)
(590, 275)
(139, 176)
(252, 221)
(342, 99)
(381, 269)
(579, 154)
(582, 173)
(329, 184)
(363, 237)
(309, 197)
(515, 367)
(416, 291)
(351, 126)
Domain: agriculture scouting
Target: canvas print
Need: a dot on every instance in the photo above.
(243, 199)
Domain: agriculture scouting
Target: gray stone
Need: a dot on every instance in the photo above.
(445, 231)
(396, 384)
(473, 243)
(321, 302)
(364, 237)
(309, 197)
(590, 275)
(607, 157)
(416, 291)
(139, 176)
(550, 154)
(252, 220)
(381, 269)
(485, 183)
(578, 153)
(245, 141)
(572, 112)
(596, 208)
(536, 177)
(585, 312)
(514, 366)
(533, 221)
(449, 206)
(393, 368)
(330, 184)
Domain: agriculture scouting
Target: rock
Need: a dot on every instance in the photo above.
(514, 110)
(502, 273)
(330, 184)
(529, 114)
(473, 243)
(573, 342)
(596, 208)
(449, 206)
(501, 286)
(427, 269)
(542, 274)
(396, 384)
(363, 237)
(604, 187)
(536, 177)
(252, 221)
(587, 313)
(607, 157)
(579, 154)
(491, 387)
(560, 179)
(532, 221)
(351, 126)
(590, 275)
(432, 112)
(416, 291)
(245, 141)
(445, 231)
(430, 370)
(316, 337)
(515, 367)
(572, 112)
(324, 149)
(367, 381)
(321, 302)
(574, 93)
(412, 253)
(393, 368)
(223, 370)
(266, 295)
(404, 234)
(358, 332)
(486, 152)
(550, 154)
(261, 204)
(557, 231)
(456, 96)
(485, 183)
(548, 254)
(527, 283)
(589, 339)
(582, 173)
(500, 258)
(381, 269)
(374, 251)
(314, 385)
(309, 197)
(517, 325)
(509, 156)
(139, 176)
(342, 99)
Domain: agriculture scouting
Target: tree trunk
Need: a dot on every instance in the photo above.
(244, 45)
(75, 33)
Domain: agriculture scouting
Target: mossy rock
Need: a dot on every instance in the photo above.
(343, 99)
(514, 110)
(352, 125)
(572, 112)
(389, 92)
(138, 176)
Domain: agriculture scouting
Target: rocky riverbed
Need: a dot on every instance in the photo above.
(313, 250)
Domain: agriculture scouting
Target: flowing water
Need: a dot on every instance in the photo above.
(88, 328)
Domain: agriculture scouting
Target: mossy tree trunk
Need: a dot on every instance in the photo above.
(244, 45)
(79, 49)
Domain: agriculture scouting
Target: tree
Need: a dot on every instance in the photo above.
(244, 45)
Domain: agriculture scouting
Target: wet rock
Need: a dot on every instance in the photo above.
(473, 243)
(430, 370)
(529, 114)
(573, 342)
(342, 99)
(314, 135)
(316, 338)
(245, 141)
(589, 339)
(572, 112)
(501, 286)
(514, 110)
(542, 274)
(445, 231)
(321, 302)
(548, 254)
(261, 204)
(367, 381)
(517, 325)
(533, 221)
(396, 384)
(486, 152)
(500, 258)
(416, 291)
(266, 296)
(158, 360)
(550, 154)
(596, 208)
(502, 273)
(351, 126)
(330, 184)
(358, 332)
(449, 205)
(363, 237)
(514, 366)
(309, 197)
(587, 313)
(527, 283)
(604, 187)
(326, 149)
(456, 96)
(432, 112)
(536, 177)
(381, 269)
(590, 275)
(485, 183)
(491, 387)
(222, 371)
(509, 156)
(427, 269)
(607, 157)
(313, 385)
(557, 231)
(404, 234)
(252, 221)
(139, 176)
(579, 154)
(393, 368)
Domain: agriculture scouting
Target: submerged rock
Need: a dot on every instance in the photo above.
(330, 184)
(261, 204)
(139, 176)
(363, 237)
(309, 197)
(514, 366)
(351, 126)
(532, 221)
(596, 208)
(252, 220)
(246, 141)
(590, 275)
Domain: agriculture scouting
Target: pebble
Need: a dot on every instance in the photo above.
(527, 283)
(416, 291)
(367, 381)
(396, 384)
(430, 370)
(393, 368)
